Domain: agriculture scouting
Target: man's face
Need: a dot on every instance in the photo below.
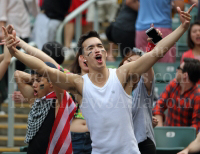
(179, 73)
(94, 53)
(41, 86)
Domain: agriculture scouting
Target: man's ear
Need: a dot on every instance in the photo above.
(186, 76)
(83, 58)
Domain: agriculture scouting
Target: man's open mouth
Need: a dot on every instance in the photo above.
(99, 58)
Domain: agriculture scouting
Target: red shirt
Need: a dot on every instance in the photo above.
(187, 54)
(183, 110)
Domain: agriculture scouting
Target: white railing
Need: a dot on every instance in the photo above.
(11, 108)
(78, 15)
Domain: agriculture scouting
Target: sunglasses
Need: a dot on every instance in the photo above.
(179, 68)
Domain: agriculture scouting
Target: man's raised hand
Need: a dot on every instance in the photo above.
(185, 16)
(10, 40)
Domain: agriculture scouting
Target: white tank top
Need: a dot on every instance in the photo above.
(107, 111)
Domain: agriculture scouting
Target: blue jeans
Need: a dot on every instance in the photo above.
(81, 143)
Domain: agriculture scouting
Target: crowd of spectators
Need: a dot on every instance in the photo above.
(179, 103)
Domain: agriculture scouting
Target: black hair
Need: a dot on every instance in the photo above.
(189, 40)
(192, 67)
(85, 37)
(54, 50)
(33, 72)
(75, 67)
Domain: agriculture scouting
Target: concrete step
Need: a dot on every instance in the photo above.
(18, 141)
(19, 129)
(9, 149)
(22, 118)
(21, 108)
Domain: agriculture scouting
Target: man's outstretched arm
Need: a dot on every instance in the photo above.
(144, 63)
(64, 81)
(32, 50)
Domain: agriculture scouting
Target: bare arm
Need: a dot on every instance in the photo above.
(179, 3)
(23, 81)
(32, 50)
(148, 80)
(5, 62)
(36, 52)
(1, 57)
(144, 63)
(193, 147)
(133, 4)
(60, 79)
(160, 120)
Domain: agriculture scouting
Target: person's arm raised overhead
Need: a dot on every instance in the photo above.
(5, 62)
(64, 81)
(144, 63)
(32, 50)
(1, 57)
(24, 84)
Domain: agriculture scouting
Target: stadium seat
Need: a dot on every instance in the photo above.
(24, 149)
(159, 87)
(165, 72)
(180, 49)
(173, 139)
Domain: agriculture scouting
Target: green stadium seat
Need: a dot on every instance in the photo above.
(173, 139)
(159, 87)
(24, 149)
(165, 72)
(176, 20)
(114, 64)
(180, 49)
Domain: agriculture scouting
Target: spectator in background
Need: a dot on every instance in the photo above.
(157, 12)
(52, 14)
(142, 102)
(181, 97)
(55, 51)
(193, 41)
(17, 13)
(122, 31)
(107, 10)
(69, 27)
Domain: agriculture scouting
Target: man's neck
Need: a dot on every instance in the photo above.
(99, 77)
(186, 86)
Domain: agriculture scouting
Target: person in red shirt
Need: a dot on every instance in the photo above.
(193, 42)
(181, 97)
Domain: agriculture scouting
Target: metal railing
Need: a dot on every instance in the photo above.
(11, 108)
(78, 15)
